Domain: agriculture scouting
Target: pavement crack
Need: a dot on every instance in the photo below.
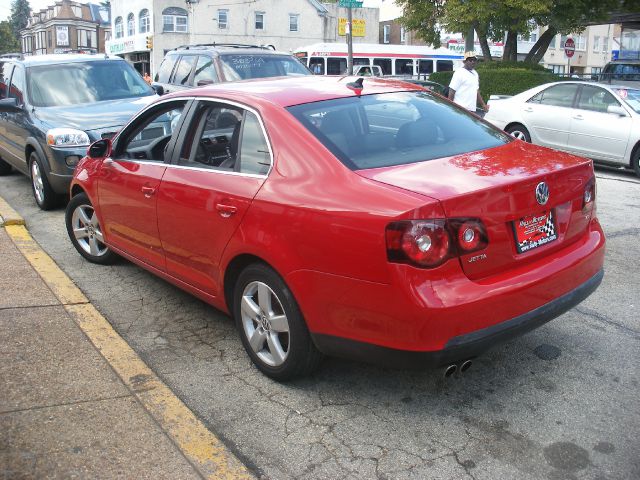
(66, 404)
(603, 319)
(624, 233)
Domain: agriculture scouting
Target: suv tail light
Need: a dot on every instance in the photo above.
(430, 243)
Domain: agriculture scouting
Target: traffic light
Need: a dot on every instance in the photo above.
(150, 42)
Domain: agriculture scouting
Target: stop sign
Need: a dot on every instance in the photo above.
(569, 47)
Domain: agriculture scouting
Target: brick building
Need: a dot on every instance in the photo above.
(67, 26)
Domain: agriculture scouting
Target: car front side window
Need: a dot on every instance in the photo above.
(596, 99)
(148, 137)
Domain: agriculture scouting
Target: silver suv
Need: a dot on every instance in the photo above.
(621, 72)
(191, 66)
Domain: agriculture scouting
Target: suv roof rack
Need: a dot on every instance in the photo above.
(201, 46)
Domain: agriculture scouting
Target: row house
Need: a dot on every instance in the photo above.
(67, 26)
(144, 30)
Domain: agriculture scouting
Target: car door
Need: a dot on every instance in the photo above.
(223, 161)
(17, 122)
(547, 115)
(5, 81)
(128, 182)
(596, 133)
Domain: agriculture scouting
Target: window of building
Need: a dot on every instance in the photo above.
(293, 23)
(386, 30)
(558, 69)
(174, 19)
(605, 44)
(223, 18)
(119, 27)
(533, 37)
(145, 22)
(259, 20)
(77, 10)
(87, 38)
(403, 35)
(596, 70)
(131, 25)
(107, 36)
(581, 42)
(49, 39)
(596, 43)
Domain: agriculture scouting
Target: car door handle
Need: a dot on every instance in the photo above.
(528, 109)
(225, 211)
(148, 191)
(578, 117)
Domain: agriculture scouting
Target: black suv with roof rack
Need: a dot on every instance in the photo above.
(53, 106)
(191, 66)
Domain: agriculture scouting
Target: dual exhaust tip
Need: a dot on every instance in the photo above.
(454, 367)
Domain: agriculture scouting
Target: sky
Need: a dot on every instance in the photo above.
(37, 5)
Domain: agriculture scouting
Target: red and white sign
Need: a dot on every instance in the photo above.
(569, 47)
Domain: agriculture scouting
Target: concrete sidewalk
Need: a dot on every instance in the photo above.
(75, 400)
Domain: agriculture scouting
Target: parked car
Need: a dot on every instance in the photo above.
(368, 219)
(598, 121)
(191, 66)
(621, 72)
(53, 106)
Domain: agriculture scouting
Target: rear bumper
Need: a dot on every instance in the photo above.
(460, 347)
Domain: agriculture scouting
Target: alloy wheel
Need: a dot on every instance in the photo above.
(520, 135)
(38, 184)
(265, 323)
(86, 231)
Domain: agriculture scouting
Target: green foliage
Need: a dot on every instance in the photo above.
(8, 43)
(510, 79)
(20, 11)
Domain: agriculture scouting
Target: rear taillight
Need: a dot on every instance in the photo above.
(589, 195)
(430, 243)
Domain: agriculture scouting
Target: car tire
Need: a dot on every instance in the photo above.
(271, 325)
(85, 232)
(520, 132)
(636, 161)
(5, 168)
(44, 195)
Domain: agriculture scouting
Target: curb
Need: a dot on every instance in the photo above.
(209, 456)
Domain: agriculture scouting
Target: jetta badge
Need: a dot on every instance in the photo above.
(542, 193)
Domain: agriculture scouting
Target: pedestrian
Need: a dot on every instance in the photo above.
(147, 77)
(464, 88)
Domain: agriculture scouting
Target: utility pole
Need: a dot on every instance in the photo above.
(347, 32)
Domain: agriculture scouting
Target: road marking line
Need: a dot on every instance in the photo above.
(8, 216)
(203, 449)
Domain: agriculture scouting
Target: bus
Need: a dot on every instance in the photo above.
(396, 60)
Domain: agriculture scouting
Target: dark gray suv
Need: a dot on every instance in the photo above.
(53, 106)
(197, 65)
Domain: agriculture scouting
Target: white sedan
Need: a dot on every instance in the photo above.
(598, 121)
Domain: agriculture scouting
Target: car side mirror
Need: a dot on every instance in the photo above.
(9, 105)
(202, 83)
(100, 148)
(159, 89)
(617, 110)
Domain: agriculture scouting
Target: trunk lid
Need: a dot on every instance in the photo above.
(498, 186)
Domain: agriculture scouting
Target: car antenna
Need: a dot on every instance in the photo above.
(357, 85)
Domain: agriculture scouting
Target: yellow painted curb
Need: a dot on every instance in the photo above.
(8, 216)
(204, 450)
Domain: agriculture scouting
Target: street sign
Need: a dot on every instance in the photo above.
(569, 47)
(350, 3)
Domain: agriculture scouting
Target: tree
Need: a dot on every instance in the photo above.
(506, 19)
(20, 11)
(8, 43)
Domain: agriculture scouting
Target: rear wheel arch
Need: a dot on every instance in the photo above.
(233, 271)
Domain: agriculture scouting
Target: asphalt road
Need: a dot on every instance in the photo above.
(562, 402)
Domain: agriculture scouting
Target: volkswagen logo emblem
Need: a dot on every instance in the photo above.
(542, 193)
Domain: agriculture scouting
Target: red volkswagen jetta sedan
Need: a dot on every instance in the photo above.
(363, 218)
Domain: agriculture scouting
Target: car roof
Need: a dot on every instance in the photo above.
(58, 58)
(225, 48)
(289, 91)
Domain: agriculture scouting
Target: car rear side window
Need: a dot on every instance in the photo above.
(557, 96)
(398, 128)
(205, 71)
(243, 66)
(5, 77)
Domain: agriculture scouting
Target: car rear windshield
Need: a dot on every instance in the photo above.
(244, 66)
(397, 128)
(86, 82)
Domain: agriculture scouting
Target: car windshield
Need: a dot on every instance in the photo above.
(398, 128)
(244, 66)
(631, 97)
(86, 82)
